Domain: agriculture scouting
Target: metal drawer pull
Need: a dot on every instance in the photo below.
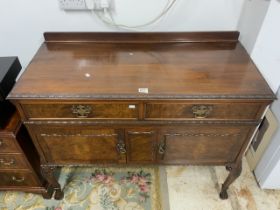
(81, 111)
(1, 142)
(121, 148)
(12, 162)
(18, 180)
(162, 147)
(201, 111)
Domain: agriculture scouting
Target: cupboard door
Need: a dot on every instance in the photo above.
(81, 144)
(141, 144)
(201, 144)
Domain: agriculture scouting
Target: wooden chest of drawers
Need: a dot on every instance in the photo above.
(148, 98)
(19, 161)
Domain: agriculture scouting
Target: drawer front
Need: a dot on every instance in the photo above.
(202, 144)
(18, 179)
(222, 111)
(12, 162)
(82, 110)
(7, 145)
(81, 144)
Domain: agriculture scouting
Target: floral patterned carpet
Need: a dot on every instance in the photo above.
(95, 189)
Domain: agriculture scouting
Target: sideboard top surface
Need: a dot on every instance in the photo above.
(177, 69)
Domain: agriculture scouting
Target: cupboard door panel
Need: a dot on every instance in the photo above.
(201, 144)
(81, 144)
(141, 145)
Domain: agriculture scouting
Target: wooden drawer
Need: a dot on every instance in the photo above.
(7, 144)
(12, 162)
(204, 110)
(81, 144)
(76, 110)
(13, 178)
(202, 143)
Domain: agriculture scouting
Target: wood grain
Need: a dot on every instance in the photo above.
(151, 37)
(117, 70)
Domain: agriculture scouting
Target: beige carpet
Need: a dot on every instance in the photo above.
(197, 188)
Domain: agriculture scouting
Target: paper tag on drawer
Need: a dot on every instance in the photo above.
(143, 90)
(131, 106)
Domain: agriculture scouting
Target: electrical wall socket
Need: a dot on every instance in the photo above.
(72, 4)
(101, 4)
(84, 4)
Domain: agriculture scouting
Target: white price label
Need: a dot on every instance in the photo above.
(143, 90)
(131, 106)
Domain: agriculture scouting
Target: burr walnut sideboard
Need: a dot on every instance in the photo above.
(141, 98)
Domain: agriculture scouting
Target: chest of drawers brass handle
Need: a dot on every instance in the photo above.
(18, 180)
(121, 148)
(162, 148)
(3, 162)
(81, 111)
(121, 144)
(201, 111)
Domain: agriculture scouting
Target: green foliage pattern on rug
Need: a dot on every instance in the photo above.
(95, 189)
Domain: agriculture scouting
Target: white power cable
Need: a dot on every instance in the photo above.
(111, 21)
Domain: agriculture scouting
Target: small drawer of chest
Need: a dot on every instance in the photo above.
(7, 144)
(15, 161)
(203, 110)
(17, 179)
(83, 110)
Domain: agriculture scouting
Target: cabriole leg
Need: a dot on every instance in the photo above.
(49, 192)
(48, 174)
(235, 171)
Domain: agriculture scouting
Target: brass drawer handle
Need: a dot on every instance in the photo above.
(162, 147)
(18, 180)
(3, 162)
(81, 111)
(121, 148)
(201, 111)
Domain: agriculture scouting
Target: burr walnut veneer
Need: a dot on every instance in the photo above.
(141, 98)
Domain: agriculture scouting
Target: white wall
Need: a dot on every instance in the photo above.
(22, 22)
(260, 32)
(251, 20)
(266, 52)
